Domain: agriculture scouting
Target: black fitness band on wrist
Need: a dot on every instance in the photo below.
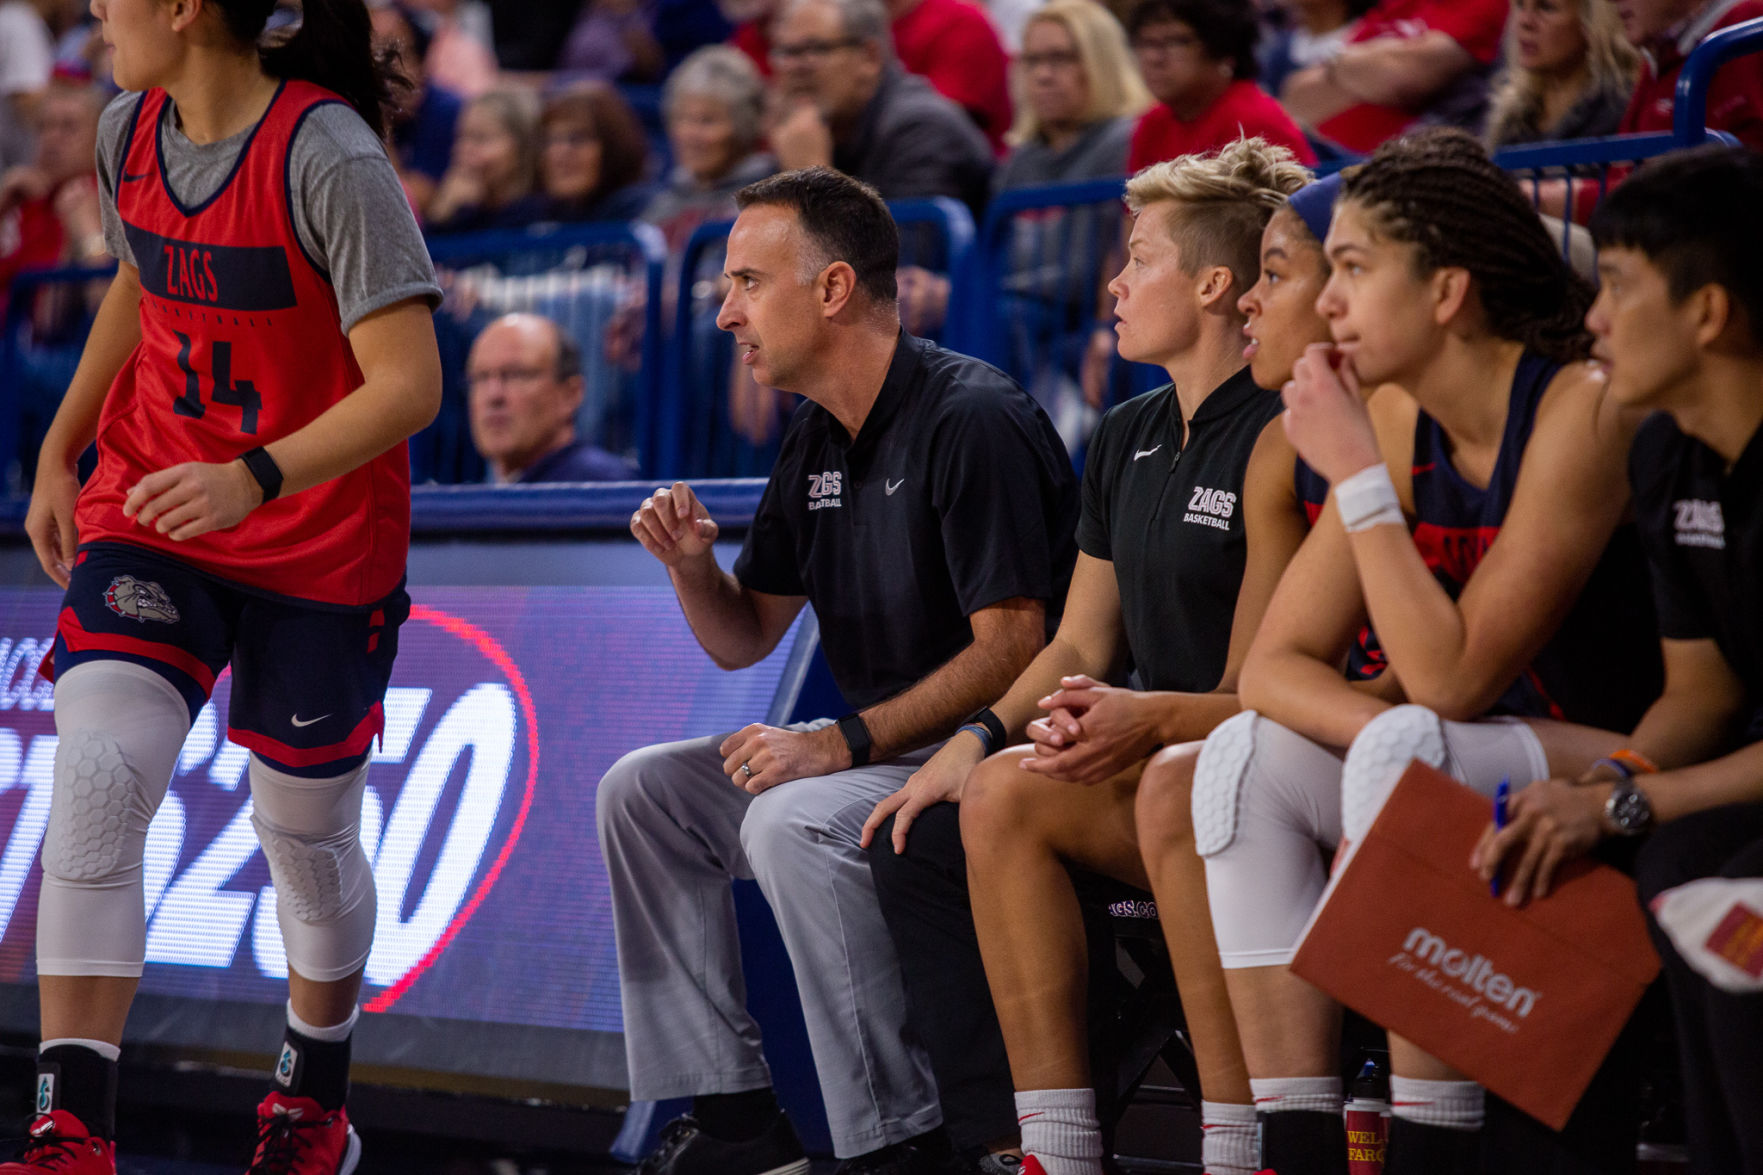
(997, 738)
(856, 734)
(265, 470)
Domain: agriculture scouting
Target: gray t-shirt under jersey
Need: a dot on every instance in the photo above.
(349, 208)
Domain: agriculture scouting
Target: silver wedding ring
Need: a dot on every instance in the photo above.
(747, 770)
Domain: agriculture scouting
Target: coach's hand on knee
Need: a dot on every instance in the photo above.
(673, 525)
(941, 780)
(193, 498)
(758, 757)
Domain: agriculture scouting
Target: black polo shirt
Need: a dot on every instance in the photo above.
(1702, 527)
(956, 494)
(1170, 519)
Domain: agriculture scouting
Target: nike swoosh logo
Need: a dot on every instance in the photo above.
(1146, 452)
(891, 486)
(308, 722)
(129, 179)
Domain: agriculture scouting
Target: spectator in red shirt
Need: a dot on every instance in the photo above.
(953, 45)
(49, 207)
(1408, 59)
(1198, 60)
(1666, 32)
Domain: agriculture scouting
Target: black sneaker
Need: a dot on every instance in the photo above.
(908, 1158)
(685, 1149)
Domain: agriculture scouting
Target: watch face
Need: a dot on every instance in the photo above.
(1630, 811)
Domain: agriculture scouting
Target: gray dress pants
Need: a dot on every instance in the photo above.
(673, 832)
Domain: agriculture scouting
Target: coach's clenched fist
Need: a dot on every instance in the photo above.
(673, 525)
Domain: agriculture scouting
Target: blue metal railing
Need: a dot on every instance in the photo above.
(1689, 115)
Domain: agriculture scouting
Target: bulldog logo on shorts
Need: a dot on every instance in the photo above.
(139, 600)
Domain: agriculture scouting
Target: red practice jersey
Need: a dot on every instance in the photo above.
(241, 344)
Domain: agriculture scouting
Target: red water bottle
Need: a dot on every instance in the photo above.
(1368, 1119)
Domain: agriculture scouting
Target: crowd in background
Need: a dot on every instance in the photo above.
(523, 113)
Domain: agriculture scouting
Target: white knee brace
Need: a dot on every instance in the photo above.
(1219, 774)
(1266, 804)
(310, 833)
(1479, 754)
(120, 726)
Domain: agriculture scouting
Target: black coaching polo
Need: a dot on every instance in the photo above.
(956, 494)
(1702, 527)
(1170, 519)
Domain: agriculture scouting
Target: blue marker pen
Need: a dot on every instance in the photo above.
(1501, 794)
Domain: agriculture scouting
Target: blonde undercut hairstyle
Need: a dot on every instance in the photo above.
(1223, 201)
(1116, 89)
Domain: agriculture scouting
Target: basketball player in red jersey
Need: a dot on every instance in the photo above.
(250, 380)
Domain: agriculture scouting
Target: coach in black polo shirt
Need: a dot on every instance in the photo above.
(925, 507)
(1679, 326)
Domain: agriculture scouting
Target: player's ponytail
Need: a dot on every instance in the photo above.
(332, 46)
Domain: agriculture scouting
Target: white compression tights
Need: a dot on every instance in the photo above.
(121, 726)
(1268, 802)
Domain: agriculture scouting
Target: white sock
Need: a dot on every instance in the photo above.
(1059, 1128)
(332, 1034)
(1455, 1105)
(103, 1048)
(1230, 1145)
(1276, 1094)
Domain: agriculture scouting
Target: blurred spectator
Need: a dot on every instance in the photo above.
(1198, 59)
(953, 45)
(1311, 33)
(1406, 59)
(1569, 73)
(525, 380)
(713, 105)
(847, 104)
(49, 207)
(461, 54)
(614, 40)
(27, 55)
(592, 158)
(950, 43)
(494, 164)
(1666, 32)
(682, 27)
(426, 117)
(1078, 95)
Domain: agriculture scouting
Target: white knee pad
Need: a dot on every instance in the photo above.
(310, 833)
(1266, 804)
(1219, 773)
(1479, 754)
(120, 727)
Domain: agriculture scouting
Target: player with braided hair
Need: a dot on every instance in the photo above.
(1478, 523)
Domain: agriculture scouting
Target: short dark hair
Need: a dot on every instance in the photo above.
(846, 219)
(1693, 214)
(1228, 29)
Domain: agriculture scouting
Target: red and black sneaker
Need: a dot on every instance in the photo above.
(297, 1136)
(60, 1142)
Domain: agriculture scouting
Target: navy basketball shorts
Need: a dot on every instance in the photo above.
(309, 679)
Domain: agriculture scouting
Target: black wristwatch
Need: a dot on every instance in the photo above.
(1628, 810)
(856, 737)
(263, 467)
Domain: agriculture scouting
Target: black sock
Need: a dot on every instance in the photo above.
(318, 1069)
(736, 1117)
(72, 1077)
(1431, 1150)
(1304, 1142)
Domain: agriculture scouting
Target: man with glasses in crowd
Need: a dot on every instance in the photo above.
(526, 386)
(847, 104)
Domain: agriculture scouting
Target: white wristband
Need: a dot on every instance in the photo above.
(1368, 499)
